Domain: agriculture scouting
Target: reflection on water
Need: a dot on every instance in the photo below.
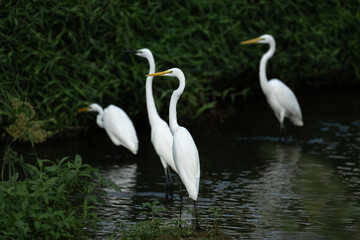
(307, 188)
(117, 203)
(274, 190)
(124, 176)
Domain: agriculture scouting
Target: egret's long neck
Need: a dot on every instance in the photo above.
(174, 99)
(100, 117)
(150, 103)
(264, 83)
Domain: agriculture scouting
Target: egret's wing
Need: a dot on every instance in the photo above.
(286, 98)
(186, 158)
(120, 128)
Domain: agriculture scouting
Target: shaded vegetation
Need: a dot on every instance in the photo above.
(61, 55)
(25, 128)
(54, 201)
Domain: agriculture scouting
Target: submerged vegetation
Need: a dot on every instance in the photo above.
(60, 55)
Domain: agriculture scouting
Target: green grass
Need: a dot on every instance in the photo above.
(62, 55)
(156, 227)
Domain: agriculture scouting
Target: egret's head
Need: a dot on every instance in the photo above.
(144, 52)
(173, 72)
(266, 38)
(94, 107)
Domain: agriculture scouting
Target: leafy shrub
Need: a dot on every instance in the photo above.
(53, 202)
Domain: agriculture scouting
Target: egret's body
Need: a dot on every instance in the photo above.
(187, 160)
(184, 149)
(279, 96)
(161, 136)
(117, 125)
(284, 103)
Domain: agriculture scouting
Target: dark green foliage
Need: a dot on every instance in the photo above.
(53, 202)
(61, 55)
(316, 41)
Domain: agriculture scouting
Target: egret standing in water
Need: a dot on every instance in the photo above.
(117, 125)
(161, 136)
(184, 149)
(279, 96)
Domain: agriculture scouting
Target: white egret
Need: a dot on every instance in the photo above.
(161, 136)
(184, 149)
(117, 125)
(279, 96)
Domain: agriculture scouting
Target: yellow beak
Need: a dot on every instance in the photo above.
(255, 40)
(84, 109)
(158, 73)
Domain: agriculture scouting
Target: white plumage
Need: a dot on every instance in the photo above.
(279, 96)
(187, 161)
(161, 136)
(184, 149)
(117, 125)
(284, 103)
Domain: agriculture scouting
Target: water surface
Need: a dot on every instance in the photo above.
(306, 188)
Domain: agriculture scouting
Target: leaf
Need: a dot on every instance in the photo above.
(37, 225)
(78, 161)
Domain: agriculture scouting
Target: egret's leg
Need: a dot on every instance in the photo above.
(197, 227)
(283, 134)
(171, 184)
(281, 119)
(116, 149)
(181, 197)
(113, 150)
(180, 206)
(166, 184)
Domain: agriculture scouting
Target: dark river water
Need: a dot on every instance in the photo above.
(306, 188)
